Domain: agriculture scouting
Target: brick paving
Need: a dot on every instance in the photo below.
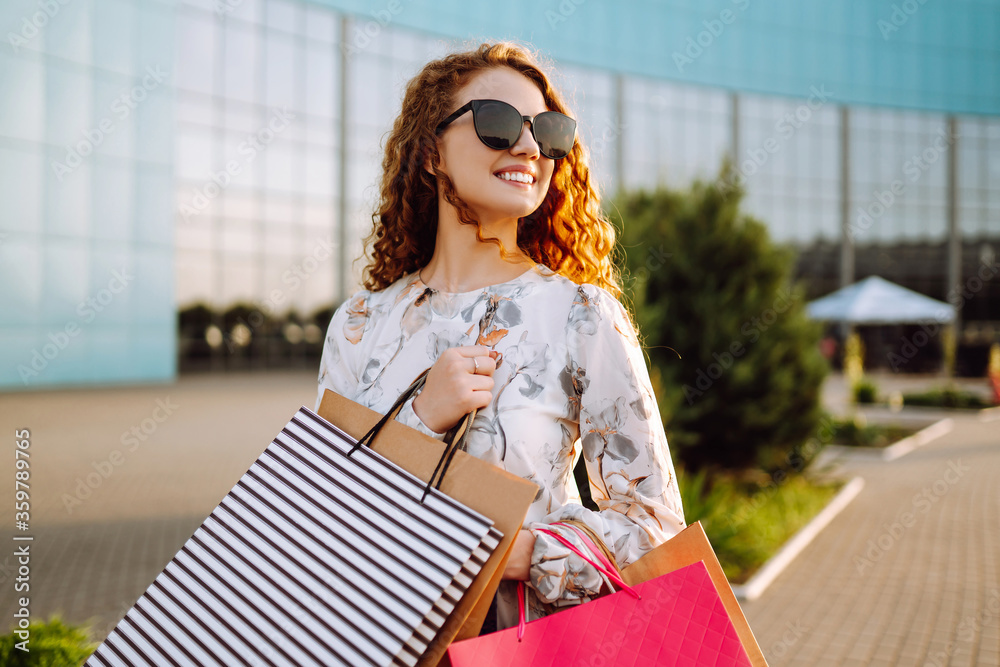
(907, 574)
(99, 541)
(898, 578)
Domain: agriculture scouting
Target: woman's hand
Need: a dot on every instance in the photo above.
(461, 379)
(519, 563)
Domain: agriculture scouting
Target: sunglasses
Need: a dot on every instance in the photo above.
(499, 126)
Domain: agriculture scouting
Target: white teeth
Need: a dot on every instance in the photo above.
(518, 176)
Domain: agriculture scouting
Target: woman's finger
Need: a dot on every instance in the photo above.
(473, 351)
(483, 365)
(480, 398)
(481, 383)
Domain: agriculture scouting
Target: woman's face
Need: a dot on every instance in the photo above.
(475, 168)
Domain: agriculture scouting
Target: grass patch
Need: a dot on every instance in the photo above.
(50, 644)
(858, 433)
(748, 521)
(946, 397)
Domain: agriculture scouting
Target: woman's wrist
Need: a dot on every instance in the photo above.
(519, 564)
(417, 411)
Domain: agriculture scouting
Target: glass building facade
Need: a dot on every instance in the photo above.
(156, 154)
(87, 129)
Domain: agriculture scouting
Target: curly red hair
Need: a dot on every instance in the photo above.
(568, 233)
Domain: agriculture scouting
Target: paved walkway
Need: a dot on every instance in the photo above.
(906, 575)
(105, 524)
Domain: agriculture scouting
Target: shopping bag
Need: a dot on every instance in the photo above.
(673, 618)
(480, 486)
(689, 546)
(320, 555)
(324, 553)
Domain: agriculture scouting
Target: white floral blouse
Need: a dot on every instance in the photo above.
(571, 376)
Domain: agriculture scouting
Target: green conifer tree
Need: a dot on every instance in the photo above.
(706, 283)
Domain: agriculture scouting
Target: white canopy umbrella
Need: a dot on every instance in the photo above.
(875, 300)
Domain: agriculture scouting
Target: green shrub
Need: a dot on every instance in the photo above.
(850, 432)
(946, 397)
(865, 391)
(707, 284)
(50, 644)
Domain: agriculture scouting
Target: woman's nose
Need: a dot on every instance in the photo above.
(526, 143)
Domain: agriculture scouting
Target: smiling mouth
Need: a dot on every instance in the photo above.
(516, 177)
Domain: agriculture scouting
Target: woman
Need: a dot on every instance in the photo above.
(490, 264)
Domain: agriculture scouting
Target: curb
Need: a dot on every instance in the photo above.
(833, 453)
(777, 563)
(989, 414)
(918, 439)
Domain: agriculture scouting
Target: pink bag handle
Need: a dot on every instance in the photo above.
(520, 610)
(589, 544)
(609, 571)
(604, 567)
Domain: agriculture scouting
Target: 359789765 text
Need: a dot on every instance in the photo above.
(22, 541)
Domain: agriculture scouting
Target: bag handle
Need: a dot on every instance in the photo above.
(588, 541)
(600, 566)
(455, 438)
(367, 438)
(611, 573)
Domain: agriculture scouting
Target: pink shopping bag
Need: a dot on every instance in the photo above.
(675, 619)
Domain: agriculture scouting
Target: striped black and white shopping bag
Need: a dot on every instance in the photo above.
(318, 556)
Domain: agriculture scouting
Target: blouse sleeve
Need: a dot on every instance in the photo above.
(342, 361)
(410, 418)
(625, 448)
(339, 366)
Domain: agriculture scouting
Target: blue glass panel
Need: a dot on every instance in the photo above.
(21, 176)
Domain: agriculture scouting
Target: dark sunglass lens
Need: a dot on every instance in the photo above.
(498, 124)
(555, 134)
